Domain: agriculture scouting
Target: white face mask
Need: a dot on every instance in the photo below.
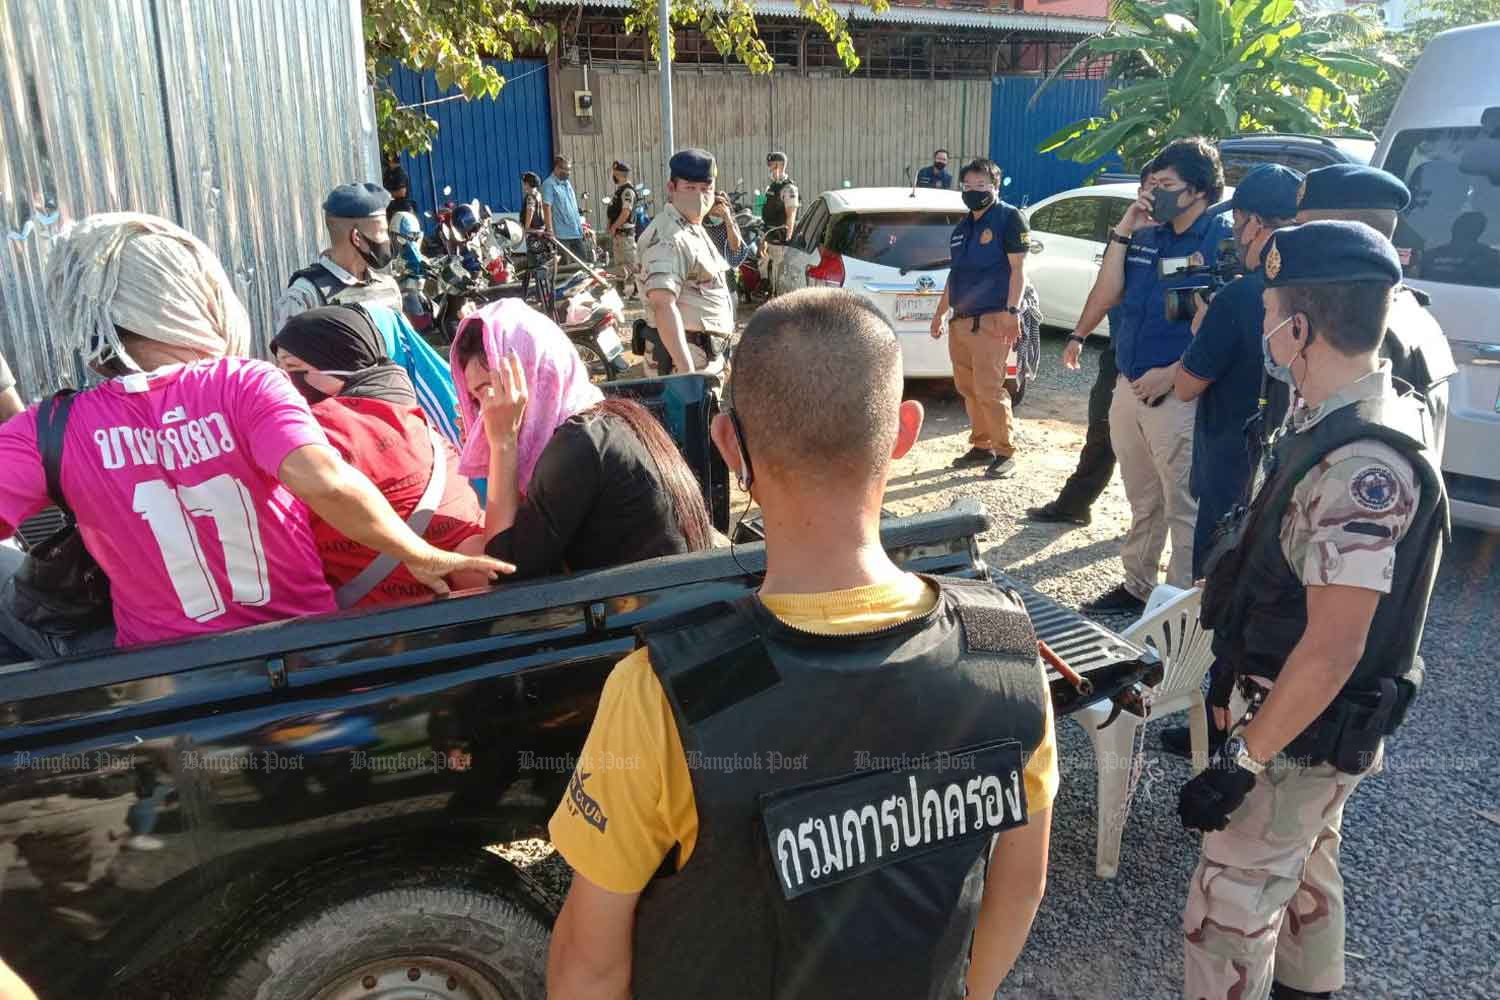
(694, 205)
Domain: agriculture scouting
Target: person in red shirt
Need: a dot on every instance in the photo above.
(367, 406)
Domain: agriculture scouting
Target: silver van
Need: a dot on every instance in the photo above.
(1443, 140)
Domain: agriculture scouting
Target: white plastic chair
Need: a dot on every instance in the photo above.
(1169, 627)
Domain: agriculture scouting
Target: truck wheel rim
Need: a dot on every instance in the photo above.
(414, 977)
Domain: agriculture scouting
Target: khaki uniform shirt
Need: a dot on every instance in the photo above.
(1348, 513)
(301, 295)
(678, 256)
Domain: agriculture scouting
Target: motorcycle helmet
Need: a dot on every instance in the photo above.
(465, 220)
(405, 229)
(508, 232)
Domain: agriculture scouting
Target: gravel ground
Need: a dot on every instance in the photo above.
(1421, 841)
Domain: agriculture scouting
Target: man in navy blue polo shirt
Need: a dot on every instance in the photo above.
(985, 281)
(1151, 430)
(1222, 368)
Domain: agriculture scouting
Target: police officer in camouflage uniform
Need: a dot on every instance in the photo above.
(621, 217)
(683, 273)
(353, 268)
(1414, 342)
(1317, 601)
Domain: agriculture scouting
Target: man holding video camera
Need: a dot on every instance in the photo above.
(1150, 253)
(1222, 368)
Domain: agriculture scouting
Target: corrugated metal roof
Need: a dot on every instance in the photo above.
(1046, 24)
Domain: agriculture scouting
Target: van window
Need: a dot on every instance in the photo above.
(1452, 227)
(894, 239)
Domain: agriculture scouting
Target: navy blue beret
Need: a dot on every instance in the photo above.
(693, 165)
(622, 166)
(1269, 191)
(356, 201)
(1352, 186)
(1330, 253)
(776, 156)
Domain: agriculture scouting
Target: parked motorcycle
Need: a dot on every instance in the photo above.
(585, 304)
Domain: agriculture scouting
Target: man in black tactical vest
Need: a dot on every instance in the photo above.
(351, 270)
(1414, 342)
(621, 216)
(1317, 601)
(841, 785)
(779, 213)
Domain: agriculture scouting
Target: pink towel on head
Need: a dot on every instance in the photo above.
(557, 383)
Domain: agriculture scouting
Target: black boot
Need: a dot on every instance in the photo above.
(1280, 992)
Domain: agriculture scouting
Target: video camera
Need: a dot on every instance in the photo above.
(1210, 277)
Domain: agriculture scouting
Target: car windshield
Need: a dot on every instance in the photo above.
(894, 239)
(1451, 231)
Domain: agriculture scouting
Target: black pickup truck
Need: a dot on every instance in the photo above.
(305, 810)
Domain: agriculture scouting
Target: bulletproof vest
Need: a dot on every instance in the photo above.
(333, 292)
(774, 214)
(1256, 603)
(1414, 343)
(615, 205)
(847, 788)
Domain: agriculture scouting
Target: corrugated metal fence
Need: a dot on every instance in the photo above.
(481, 146)
(232, 119)
(867, 132)
(1016, 131)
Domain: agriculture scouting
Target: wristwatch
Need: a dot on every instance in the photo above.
(1073, 338)
(1115, 237)
(1236, 750)
(1013, 310)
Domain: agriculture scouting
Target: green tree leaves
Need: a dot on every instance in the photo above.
(453, 38)
(1217, 67)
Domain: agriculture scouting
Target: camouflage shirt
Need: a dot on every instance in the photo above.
(1348, 513)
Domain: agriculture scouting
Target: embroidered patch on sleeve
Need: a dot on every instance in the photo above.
(1374, 488)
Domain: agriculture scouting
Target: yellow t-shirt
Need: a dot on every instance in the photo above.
(630, 801)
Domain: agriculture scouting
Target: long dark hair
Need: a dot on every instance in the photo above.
(676, 478)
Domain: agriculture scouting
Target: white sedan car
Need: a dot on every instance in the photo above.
(892, 245)
(1069, 233)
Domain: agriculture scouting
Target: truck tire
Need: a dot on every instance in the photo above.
(451, 938)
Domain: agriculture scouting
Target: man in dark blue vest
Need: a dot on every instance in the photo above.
(841, 785)
(1317, 606)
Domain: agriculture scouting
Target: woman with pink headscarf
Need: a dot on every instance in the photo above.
(575, 481)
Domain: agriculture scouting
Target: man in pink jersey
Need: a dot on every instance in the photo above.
(191, 470)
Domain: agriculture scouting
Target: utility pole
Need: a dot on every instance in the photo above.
(664, 43)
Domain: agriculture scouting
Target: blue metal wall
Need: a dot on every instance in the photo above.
(482, 146)
(1016, 131)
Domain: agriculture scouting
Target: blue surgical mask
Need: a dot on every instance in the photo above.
(1281, 373)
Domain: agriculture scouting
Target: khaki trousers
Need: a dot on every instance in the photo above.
(979, 373)
(1267, 901)
(1154, 446)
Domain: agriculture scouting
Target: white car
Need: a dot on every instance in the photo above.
(890, 244)
(1443, 140)
(1069, 233)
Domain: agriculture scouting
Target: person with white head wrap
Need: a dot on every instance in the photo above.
(126, 272)
(190, 471)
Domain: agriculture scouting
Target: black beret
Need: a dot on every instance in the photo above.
(693, 165)
(621, 166)
(1330, 253)
(776, 156)
(1269, 191)
(1352, 186)
(357, 201)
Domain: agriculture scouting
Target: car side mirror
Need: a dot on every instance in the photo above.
(1036, 246)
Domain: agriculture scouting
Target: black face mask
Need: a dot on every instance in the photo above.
(978, 201)
(379, 254)
(1167, 205)
(299, 381)
(939, 167)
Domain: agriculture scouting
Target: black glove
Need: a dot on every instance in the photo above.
(1220, 685)
(1207, 801)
